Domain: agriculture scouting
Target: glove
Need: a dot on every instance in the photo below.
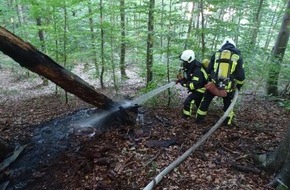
(239, 86)
(183, 82)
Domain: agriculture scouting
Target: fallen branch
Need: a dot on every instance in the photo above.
(245, 168)
(163, 123)
(174, 164)
(4, 185)
(244, 157)
(152, 159)
(11, 158)
(161, 143)
(121, 166)
(227, 149)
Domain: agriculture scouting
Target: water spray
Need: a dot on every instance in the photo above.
(95, 120)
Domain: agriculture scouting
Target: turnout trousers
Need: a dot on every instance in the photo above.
(205, 102)
(193, 98)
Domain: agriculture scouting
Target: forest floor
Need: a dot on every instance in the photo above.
(130, 156)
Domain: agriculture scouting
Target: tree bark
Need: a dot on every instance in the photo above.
(150, 42)
(42, 41)
(123, 40)
(202, 28)
(278, 53)
(257, 22)
(29, 57)
(190, 25)
(93, 38)
(102, 46)
(278, 161)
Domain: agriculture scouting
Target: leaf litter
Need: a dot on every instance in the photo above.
(126, 158)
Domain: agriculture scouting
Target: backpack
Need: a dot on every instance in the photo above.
(224, 66)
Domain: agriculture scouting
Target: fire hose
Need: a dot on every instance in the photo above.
(174, 164)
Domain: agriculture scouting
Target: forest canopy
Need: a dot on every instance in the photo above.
(108, 37)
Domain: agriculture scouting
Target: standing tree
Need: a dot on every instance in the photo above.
(42, 41)
(93, 37)
(102, 45)
(150, 41)
(278, 53)
(190, 25)
(123, 40)
(65, 41)
(257, 23)
(278, 161)
(274, 20)
(202, 27)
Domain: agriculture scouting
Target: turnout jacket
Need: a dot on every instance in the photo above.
(237, 73)
(195, 76)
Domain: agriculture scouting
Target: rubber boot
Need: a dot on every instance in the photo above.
(229, 120)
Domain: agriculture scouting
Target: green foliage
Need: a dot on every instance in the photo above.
(149, 87)
(285, 103)
(221, 18)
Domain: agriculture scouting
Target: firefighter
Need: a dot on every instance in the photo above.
(193, 77)
(226, 74)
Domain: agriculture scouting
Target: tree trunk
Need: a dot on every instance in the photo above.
(64, 47)
(43, 49)
(28, 56)
(257, 22)
(274, 21)
(123, 39)
(202, 28)
(102, 46)
(93, 38)
(190, 25)
(278, 161)
(150, 41)
(278, 53)
(168, 53)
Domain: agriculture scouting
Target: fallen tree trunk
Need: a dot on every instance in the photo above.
(29, 57)
(278, 161)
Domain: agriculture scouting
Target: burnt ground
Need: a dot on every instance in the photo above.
(130, 156)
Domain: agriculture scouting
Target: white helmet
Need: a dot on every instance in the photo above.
(187, 55)
(228, 40)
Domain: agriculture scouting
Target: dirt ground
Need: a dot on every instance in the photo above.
(130, 156)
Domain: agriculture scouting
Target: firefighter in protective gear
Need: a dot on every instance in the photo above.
(224, 88)
(194, 78)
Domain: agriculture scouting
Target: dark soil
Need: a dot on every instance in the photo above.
(130, 156)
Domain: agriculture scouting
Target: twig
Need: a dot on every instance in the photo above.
(245, 168)
(243, 157)
(163, 123)
(159, 119)
(152, 159)
(227, 149)
(12, 158)
(4, 185)
(120, 167)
